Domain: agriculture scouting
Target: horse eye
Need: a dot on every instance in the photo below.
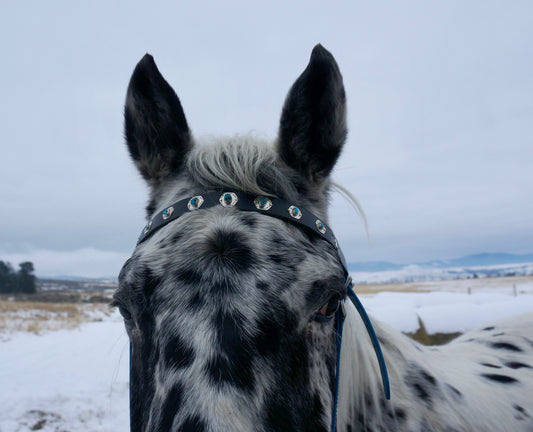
(125, 313)
(328, 310)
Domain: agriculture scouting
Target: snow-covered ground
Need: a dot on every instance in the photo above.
(444, 312)
(448, 306)
(77, 380)
(66, 380)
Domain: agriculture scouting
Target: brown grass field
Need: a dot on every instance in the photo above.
(42, 312)
(454, 285)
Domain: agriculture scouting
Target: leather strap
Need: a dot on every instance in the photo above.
(278, 208)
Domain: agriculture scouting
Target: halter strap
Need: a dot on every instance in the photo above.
(281, 209)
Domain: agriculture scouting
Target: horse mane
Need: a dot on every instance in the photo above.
(361, 389)
(240, 162)
(358, 370)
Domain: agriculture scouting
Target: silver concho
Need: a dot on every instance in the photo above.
(195, 202)
(320, 226)
(147, 227)
(167, 213)
(263, 203)
(295, 212)
(228, 199)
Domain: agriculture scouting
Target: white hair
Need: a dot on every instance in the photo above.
(237, 162)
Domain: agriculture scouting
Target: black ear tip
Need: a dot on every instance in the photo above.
(322, 60)
(147, 62)
(321, 53)
(145, 68)
(318, 48)
(145, 76)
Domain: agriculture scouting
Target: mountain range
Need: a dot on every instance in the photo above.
(476, 260)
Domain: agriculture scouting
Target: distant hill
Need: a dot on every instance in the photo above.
(374, 266)
(74, 284)
(490, 259)
(481, 259)
(80, 278)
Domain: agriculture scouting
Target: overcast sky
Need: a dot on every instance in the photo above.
(440, 111)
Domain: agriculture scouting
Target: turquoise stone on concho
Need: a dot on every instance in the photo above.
(228, 199)
(295, 212)
(320, 226)
(147, 227)
(195, 202)
(168, 212)
(262, 203)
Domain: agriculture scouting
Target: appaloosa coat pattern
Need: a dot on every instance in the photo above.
(221, 305)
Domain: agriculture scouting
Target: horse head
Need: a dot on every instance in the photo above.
(230, 313)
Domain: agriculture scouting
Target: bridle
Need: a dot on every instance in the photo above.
(281, 209)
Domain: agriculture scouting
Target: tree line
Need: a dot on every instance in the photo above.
(21, 281)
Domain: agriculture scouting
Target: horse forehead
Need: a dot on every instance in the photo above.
(220, 246)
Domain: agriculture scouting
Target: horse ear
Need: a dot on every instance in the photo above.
(313, 121)
(156, 130)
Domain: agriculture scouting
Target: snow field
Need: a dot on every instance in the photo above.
(444, 312)
(66, 380)
(77, 380)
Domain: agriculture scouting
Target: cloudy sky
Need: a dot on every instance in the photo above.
(440, 110)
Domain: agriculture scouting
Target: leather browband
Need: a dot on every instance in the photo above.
(276, 207)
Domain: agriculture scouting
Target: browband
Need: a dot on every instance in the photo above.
(275, 207)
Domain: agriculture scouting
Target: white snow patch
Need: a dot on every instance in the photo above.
(444, 312)
(75, 380)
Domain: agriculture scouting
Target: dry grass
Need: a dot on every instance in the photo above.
(412, 287)
(38, 316)
(422, 336)
(452, 285)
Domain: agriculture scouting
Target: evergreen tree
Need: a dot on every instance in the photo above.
(22, 281)
(26, 278)
(7, 277)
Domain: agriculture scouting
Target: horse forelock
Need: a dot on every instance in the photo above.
(240, 163)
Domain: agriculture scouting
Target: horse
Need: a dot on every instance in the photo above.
(235, 307)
